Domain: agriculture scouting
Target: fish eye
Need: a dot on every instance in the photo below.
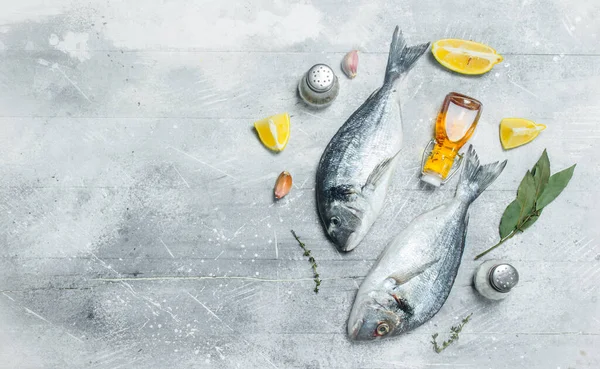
(382, 329)
(335, 221)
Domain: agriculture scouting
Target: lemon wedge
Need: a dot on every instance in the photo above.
(466, 57)
(274, 132)
(515, 132)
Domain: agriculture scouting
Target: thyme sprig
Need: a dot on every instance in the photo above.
(312, 261)
(455, 330)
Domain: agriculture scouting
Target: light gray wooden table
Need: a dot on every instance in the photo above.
(137, 222)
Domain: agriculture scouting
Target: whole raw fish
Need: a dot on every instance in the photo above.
(356, 167)
(412, 278)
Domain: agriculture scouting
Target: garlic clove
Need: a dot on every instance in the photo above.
(350, 64)
(283, 185)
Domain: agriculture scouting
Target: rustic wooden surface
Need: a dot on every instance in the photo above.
(137, 223)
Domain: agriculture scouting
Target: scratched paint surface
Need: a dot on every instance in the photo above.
(137, 225)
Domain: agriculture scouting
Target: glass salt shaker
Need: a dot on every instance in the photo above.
(494, 279)
(319, 86)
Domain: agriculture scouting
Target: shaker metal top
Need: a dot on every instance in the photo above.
(503, 277)
(320, 78)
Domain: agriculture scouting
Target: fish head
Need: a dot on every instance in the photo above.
(378, 315)
(344, 223)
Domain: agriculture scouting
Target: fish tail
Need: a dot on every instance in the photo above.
(402, 57)
(475, 178)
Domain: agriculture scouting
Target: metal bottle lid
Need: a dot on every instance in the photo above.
(320, 78)
(503, 277)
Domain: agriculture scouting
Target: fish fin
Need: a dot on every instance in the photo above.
(402, 57)
(400, 278)
(466, 223)
(354, 210)
(475, 178)
(378, 172)
(373, 93)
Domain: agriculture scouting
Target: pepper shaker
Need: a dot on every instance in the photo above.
(494, 279)
(319, 86)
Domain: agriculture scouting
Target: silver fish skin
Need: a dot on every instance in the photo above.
(413, 276)
(355, 168)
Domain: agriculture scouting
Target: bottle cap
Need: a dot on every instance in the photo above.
(320, 78)
(433, 179)
(503, 277)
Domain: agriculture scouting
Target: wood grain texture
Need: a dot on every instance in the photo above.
(137, 223)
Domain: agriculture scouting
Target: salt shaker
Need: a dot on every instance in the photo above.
(494, 279)
(319, 86)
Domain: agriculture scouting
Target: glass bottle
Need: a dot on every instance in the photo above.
(454, 126)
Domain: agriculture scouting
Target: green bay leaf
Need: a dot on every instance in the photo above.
(556, 184)
(526, 196)
(510, 218)
(541, 173)
(529, 222)
(537, 189)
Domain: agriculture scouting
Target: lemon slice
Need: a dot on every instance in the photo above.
(274, 132)
(466, 57)
(515, 132)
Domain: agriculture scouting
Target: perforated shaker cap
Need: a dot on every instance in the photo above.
(503, 277)
(320, 78)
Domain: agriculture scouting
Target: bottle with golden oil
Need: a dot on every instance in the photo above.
(454, 126)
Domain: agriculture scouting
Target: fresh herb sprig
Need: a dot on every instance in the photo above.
(455, 330)
(312, 261)
(537, 189)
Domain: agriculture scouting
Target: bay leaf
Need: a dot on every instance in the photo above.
(526, 196)
(556, 184)
(510, 218)
(541, 173)
(529, 222)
